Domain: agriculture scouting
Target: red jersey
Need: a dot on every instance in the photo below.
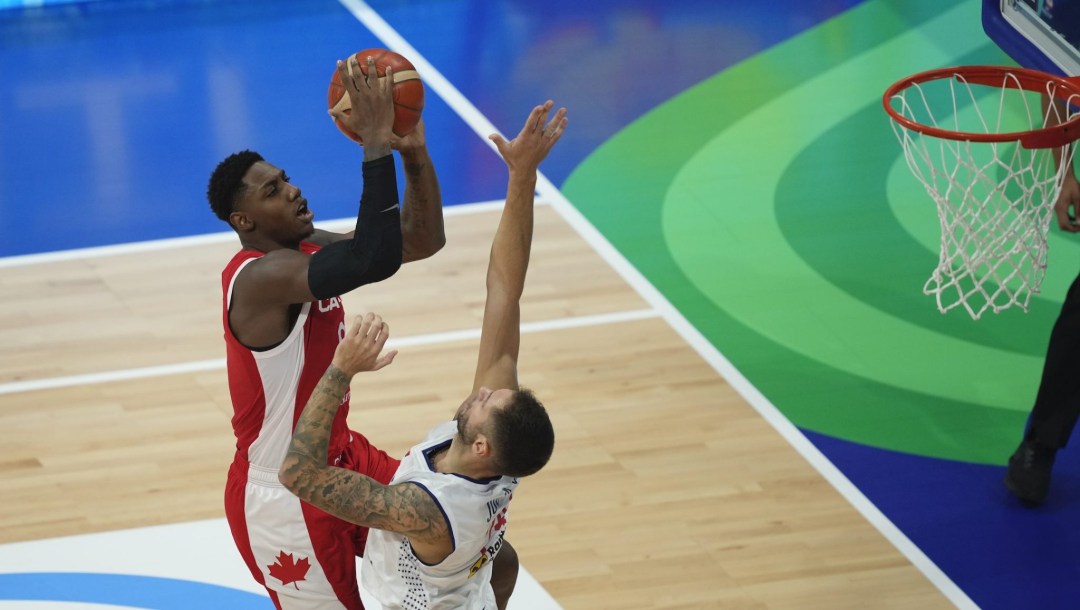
(270, 387)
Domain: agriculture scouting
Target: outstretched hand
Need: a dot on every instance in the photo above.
(535, 140)
(361, 349)
(371, 100)
(1067, 204)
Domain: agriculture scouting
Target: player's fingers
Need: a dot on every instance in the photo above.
(385, 359)
(559, 129)
(533, 124)
(1062, 213)
(376, 328)
(384, 333)
(500, 142)
(344, 73)
(351, 75)
(365, 327)
(555, 127)
(541, 118)
(371, 79)
(357, 324)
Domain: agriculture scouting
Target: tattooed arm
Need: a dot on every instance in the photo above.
(405, 508)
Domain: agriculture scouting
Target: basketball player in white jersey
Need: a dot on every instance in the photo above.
(437, 527)
(283, 319)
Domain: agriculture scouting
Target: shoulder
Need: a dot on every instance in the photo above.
(237, 263)
(282, 261)
(240, 257)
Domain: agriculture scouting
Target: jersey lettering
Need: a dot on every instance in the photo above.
(329, 304)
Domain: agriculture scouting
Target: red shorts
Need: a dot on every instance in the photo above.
(304, 557)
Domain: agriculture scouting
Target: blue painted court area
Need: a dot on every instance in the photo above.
(116, 113)
(125, 590)
(1004, 555)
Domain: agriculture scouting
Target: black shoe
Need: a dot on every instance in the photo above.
(1028, 476)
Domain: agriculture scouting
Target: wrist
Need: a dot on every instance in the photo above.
(522, 184)
(522, 178)
(378, 161)
(376, 150)
(337, 375)
(414, 154)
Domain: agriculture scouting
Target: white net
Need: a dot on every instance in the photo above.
(995, 200)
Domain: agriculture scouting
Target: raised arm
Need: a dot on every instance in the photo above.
(284, 276)
(500, 337)
(405, 508)
(422, 232)
(422, 229)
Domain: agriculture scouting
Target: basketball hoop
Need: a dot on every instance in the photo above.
(994, 165)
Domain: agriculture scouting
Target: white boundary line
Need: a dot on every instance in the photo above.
(434, 80)
(470, 334)
(202, 240)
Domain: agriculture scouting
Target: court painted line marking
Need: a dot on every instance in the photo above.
(482, 126)
(214, 364)
(339, 224)
(110, 565)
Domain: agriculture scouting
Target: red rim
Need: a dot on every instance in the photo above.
(1029, 80)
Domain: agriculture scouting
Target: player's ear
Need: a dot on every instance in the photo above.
(481, 447)
(241, 222)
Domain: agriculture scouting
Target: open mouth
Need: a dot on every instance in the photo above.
(303, 212)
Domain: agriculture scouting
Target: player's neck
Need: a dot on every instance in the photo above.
(457, 459)
(261, 243)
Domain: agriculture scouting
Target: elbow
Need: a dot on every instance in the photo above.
(289, 473)
(385, 265)
(286, 479)
(429, 246)
(438, 242)
(421, 238)
(419, 250)
(435, 243)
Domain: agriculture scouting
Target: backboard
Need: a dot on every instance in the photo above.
(1039, 34)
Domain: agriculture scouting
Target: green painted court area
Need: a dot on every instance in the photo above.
(772, 205)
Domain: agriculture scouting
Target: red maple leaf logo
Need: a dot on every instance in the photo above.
(285, 570)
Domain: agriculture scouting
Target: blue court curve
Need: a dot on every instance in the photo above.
(126, 590)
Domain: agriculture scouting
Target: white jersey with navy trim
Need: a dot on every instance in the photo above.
(477, 513)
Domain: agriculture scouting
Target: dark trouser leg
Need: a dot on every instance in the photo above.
(1057, 404)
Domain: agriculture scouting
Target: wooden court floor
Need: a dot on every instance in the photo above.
(666, 490)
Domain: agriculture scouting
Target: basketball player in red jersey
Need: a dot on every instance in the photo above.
(283, 319)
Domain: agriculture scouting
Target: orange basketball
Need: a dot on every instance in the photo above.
(408, 90)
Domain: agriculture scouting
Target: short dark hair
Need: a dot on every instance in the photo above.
(522, 435)
(227, 181)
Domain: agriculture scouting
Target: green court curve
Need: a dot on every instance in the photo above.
(771, 205)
